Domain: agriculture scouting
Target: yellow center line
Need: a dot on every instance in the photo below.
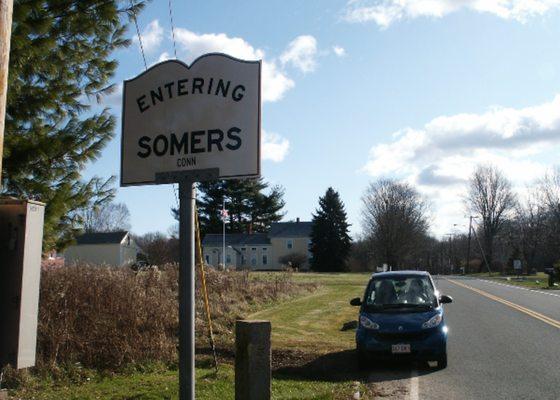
(517, 307)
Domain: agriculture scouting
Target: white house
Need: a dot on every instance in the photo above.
(109, 248)
(242, 250)
(259, 251)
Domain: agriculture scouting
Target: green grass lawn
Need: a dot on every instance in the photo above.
(538, 281)
(313, 322)
(310, 323)
(163, 384)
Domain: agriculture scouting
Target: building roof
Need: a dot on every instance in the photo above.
(290, 229)
(236, 239)
(101, 237)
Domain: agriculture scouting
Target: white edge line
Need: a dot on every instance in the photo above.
(518, 287)
(414, 385)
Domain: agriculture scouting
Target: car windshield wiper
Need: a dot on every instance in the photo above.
(427, 306)
(395, 305)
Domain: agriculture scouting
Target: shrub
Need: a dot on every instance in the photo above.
(107, 318)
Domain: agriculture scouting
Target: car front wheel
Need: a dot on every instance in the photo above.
(362, 359)
(442, 361)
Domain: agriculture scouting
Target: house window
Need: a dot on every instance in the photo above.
(254, 262)
(243, 249)
(207, 259)
(228, 258)
(289, 244)
(265, 259)
(254, 249)
(264, 248)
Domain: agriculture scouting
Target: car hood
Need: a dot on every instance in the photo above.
(401, 321)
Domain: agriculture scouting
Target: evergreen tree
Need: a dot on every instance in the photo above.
(60, 59)
(249, 206)
(330, 242)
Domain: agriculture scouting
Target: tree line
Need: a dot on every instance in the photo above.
(506, 226)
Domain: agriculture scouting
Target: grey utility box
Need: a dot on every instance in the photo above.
(21, 236)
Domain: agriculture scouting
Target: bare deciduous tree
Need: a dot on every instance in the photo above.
(529, 228)
(491, 198)
(549, 197)
(158, 248)
(395, 219)
(106, 218)
(549, 191)
(293, 260)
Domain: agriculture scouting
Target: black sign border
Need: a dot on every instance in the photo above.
(153, 182)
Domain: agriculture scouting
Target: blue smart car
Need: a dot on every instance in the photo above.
(401, 316)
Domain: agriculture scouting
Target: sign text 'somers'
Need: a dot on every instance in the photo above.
(195, 141)
(179, 118)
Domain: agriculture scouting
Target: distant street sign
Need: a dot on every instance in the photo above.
(180, 118)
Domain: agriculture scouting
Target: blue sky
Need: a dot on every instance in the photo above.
(356, 90)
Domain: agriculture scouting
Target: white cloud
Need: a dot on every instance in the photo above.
(274, 147)
(301, 53)
(152, 36)
(164, 57)
(385, 12)
(198, 44)
(275, 80)
(339, 51)
(113, 99)
(440, 157)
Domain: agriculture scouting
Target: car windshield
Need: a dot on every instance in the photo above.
(401, 291)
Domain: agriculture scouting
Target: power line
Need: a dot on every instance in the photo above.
(138, 33)
(172, 29)
(175, 52)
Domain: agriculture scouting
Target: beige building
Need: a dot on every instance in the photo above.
(259, 251)
(102, 248)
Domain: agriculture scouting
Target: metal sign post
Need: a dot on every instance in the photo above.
(186, 290)
(185, 124)
(187, 316)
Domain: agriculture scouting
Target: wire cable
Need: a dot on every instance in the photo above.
(138, 33)
(175, 52)
(172, 29)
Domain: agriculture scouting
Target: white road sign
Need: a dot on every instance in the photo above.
(181, 118)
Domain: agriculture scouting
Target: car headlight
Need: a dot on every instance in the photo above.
(432, 322)
(368, 323)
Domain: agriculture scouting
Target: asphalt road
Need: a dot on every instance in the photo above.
(503, 344)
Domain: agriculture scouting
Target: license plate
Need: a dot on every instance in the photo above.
(400, 348)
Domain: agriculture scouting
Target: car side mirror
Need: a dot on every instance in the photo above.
(444, 299)
(356, 302)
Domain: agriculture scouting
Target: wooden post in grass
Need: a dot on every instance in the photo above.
(252, 360)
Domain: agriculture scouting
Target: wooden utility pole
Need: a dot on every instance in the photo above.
(469, 246)
(6, 7)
